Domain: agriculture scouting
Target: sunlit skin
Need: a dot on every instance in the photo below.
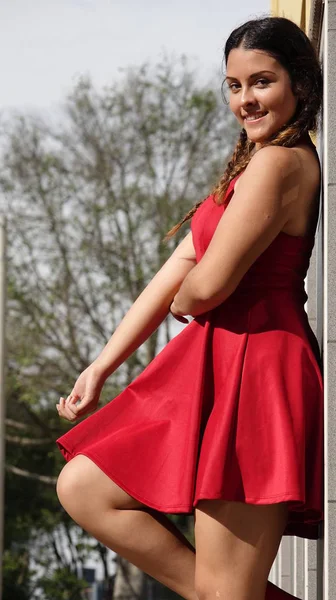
(256, 83)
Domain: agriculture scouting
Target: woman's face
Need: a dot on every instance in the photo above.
(259, 86)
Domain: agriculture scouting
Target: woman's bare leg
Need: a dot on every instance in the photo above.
(236, 544)
(146, 538)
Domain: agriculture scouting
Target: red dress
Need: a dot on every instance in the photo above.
(232, 407)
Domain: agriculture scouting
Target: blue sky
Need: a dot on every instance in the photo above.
(45, 45)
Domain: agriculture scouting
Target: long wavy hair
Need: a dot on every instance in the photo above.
(288, 44)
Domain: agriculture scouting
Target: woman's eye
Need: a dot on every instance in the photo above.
(233, 86)
(263, 81)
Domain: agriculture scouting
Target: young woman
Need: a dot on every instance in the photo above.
(227, 420)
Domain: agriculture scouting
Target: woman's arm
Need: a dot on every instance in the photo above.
(149, 309)
(258, 211)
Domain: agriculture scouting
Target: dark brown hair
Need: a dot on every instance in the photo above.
(288, 44)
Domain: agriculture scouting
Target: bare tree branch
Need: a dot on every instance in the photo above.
(28, 475)
(23, 441)
(15, 424)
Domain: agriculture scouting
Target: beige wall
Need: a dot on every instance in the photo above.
(296, 10)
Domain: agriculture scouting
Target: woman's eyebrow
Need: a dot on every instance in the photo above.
(253, 74)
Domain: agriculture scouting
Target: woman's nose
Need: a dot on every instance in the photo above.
(247, 96)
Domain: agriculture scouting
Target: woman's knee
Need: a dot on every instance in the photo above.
(82, 487)
(203, 586)
(229, 584)
(212, 586)
(73, 485)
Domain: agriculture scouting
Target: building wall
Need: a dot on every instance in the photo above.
(296, 10)
(300, 567)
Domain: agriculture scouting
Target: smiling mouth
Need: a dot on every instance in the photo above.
(255, 118)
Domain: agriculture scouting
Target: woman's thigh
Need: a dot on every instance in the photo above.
(82, 485)
(236, 544)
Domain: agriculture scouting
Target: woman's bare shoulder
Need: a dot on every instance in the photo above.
(268, 162)
(299, 169)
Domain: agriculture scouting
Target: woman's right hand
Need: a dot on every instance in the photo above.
(84, 397)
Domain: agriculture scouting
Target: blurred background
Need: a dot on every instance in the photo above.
(112, 127)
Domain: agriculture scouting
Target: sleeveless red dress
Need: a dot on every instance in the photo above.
(232, 407)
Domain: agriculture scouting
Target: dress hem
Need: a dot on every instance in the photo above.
(187, 508)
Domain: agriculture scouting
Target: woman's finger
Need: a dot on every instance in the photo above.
(72, 403)
(82, 407)
(73, 398)
(65, 411)
(85, 411)
(64, 415)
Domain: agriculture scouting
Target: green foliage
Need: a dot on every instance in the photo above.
(16, 576)
(62, 585)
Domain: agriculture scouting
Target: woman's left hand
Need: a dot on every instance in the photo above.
(180, 318)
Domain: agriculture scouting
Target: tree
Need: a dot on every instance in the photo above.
(89, 201)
